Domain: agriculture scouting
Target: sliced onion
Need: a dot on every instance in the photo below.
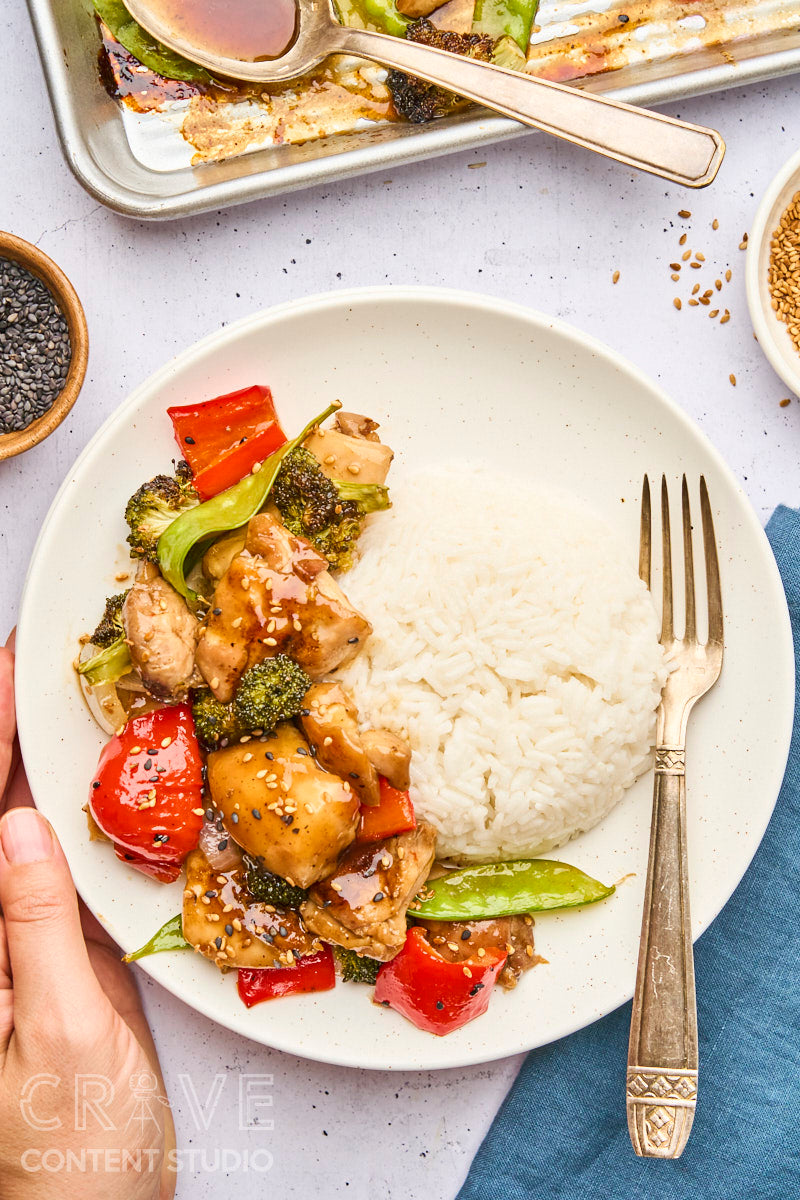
(220, 860)
(111, 704)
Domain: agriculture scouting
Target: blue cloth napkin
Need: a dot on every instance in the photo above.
(562, 1134)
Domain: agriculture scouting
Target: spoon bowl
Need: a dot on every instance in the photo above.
(687, 154)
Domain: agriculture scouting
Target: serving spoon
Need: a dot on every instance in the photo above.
(684, 153)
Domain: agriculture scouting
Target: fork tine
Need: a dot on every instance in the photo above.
(688, 565)
(645, 534)
(712, 569)
(667, 633)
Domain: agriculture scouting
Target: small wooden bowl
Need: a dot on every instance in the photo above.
(54, 279)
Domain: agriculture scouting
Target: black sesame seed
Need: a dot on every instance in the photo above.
(385, 1003)
(148, 766)
(287, 819)
(257, 813)
(269, 937)
(153, 751)
(235, 818)
(218, 942)
(305, 712)
(295, 830)
(283, 931)
(229, 930)
(35, 349)
(440, 1004)
(376, 899)
(352, 641)
(354, 774)
(96, 783)
(189, 441)
(312, 751)
(154, 779)
(209, 814)
(466, 935)
(302, 750)
(211, 895)
(623, 19)
(217, 612)
(268, 754)
(223, 845)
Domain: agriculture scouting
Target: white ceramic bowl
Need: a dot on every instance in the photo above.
(771, 333)
(450, 375)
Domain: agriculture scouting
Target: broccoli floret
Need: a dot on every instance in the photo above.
(328, 513)
(213, 720)
(271, 889)
(269, 692)
(154, 506)
(419, 101)
(110, 626)
(355, 968)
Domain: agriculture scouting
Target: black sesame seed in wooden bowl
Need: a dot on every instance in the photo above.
(43, 345)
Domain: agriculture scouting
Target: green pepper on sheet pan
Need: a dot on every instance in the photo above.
(505, 18)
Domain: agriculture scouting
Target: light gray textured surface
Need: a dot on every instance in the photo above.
(539, 223)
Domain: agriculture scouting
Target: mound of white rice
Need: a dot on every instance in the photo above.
(515, 648)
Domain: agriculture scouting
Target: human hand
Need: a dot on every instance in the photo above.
(83, 1110)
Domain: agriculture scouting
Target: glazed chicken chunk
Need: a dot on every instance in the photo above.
(161, 634)
(362, 905)
(276, 597)
(351, 450)
(329, 719)
(280, 805)
(457, 940)
(224, 922)
(390, 756)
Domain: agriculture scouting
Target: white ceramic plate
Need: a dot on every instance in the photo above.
(446, 373)
(772, 334)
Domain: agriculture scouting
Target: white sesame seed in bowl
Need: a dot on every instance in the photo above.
(773, 273)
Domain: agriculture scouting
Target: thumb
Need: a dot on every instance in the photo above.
(54, 984)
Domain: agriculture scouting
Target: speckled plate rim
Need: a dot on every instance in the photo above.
(771, 333)
(503, 1030)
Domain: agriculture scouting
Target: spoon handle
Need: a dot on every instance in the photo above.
(686, 154)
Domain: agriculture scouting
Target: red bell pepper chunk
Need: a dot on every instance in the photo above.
(147, 791)
(434, 994)
(312, 973)
(393, 814)
(223, 439)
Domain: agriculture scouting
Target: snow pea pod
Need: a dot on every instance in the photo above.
(229, 510)
(168, 937)
(505, 889)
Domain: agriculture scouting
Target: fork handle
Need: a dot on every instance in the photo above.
(687, 154)
(662, 1054)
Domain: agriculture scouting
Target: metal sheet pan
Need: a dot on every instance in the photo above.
(665, 50)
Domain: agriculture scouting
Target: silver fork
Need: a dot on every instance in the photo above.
(662, 1053)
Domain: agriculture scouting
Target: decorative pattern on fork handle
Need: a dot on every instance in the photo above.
(662, 1107)
(670, 760)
